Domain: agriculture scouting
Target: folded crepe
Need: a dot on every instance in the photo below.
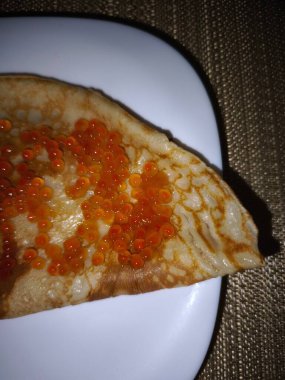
(95, 203)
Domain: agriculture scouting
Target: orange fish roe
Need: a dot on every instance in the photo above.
(30, 254)
(136, 206)
(5, 125)
(53, 251)
(42, 240)
(124, 257)
(28, 154)
(44, 225)
(37, 182)
(150, 169)
(98, 258)
(137, 261)
(6, 150)
(146, 253)
(38, 263)
(6, 168)
(46, 193)
(135, 180)
(164, 196)
(146, 222)
(57, 165)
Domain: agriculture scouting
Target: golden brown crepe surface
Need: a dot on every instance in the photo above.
(215, 234)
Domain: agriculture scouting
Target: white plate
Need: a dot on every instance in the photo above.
(160, 335)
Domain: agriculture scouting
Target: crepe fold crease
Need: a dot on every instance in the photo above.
(215, 234)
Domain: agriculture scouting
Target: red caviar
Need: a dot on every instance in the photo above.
(28, 154)
(57, 165)
(42, 240)
(53, 251)
(137, 261)
(139, 244)
(135, 180)
(150, 169)
(72, 244)
(120, 244)
(6, 168)
(164, 196)
(124, 257)
(44, 224)
(5, 125)
(30, 254)
(98, 258)
(136, 206)
(147, 253)
(37, 182)
(167, 230)
(38, 263)
(46, 193)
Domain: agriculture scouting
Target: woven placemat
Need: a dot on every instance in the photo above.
(238, 48)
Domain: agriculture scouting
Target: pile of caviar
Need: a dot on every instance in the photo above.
(134, 205)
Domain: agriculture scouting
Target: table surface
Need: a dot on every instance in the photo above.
(238, 48)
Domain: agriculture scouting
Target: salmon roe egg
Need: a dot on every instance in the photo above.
(46, 193)
(62, 268)
(38, 262)
(70, 141)
(4, 184)
(81, 125)
(121, 218)
(146, 253)
(28, 154)
(76, 265)
(150, 169)
(41, 240)
(54, 153)
(137, 261)
(30, 254)
(57, 164)
(153, 239)
(115, 231)
(98, 258)
(72, 244)
(81, 169)
(103, 246)
(53, 269)
(7, 228)
(6, 168)
(139, 244)
(37, 182)
(32, 192)
(5, 125)
(53, 251)
(120, 244)
(135, 180)
(164, 196)
(167, 230)
(7, 150)
(44, 225)
(163, 210)
(124, 257)
(43, 211)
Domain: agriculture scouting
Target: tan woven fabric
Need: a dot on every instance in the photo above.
(239, 47)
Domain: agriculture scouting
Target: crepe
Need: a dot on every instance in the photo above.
(202, 229)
